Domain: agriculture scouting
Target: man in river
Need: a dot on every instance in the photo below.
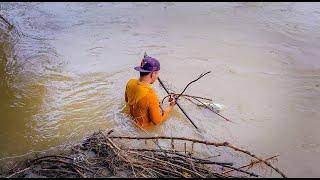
(141, 99)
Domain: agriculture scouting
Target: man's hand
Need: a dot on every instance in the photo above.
(172, 102)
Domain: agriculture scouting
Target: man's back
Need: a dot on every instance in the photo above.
(143, 104)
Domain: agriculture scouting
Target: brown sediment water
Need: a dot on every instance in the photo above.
(64, 68)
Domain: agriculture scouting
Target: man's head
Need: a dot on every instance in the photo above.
(149, 68)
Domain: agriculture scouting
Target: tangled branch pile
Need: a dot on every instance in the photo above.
(102, 155)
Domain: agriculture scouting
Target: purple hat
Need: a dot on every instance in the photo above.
(148, 64)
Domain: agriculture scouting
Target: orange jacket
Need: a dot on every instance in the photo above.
(143, 104)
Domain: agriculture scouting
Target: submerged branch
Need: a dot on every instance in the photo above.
(201, 75)
(10, 26)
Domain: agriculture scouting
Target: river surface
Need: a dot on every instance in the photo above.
(64, 68)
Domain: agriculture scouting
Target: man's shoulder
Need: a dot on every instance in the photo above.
(131, 82)
(152, 93)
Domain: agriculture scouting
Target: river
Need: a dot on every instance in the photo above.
(65, 65)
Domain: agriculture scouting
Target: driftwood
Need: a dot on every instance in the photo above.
(212, 110)
(250, 164)
(197, 98)
(111, 155)
(185, 95)
(10, 26)
(226, 144)
(177, 97)
(164, 87)
(201, 75)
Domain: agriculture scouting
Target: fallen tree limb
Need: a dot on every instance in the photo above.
(10, 26)
(161, 83)
(111, 155)
(16, 173)
(186, 95)
(226, 144)
(201, 75)
(250, 164)
(213, 110)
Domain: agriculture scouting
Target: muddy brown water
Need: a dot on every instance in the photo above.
(64, 68)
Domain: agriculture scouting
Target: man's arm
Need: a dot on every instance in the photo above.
(125, 95)
(154, 110)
